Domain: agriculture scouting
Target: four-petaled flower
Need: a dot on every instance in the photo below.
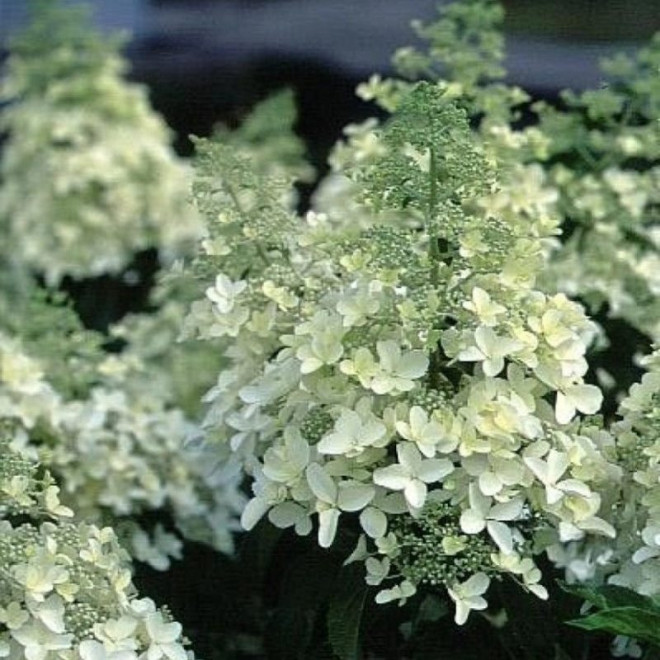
(549, 473)
(352, 434)
(428, 435)
(483, 514)
(489, 349)
(224, 293)
(333, 498)
(468, 596)
(412, 474)
(395, 372)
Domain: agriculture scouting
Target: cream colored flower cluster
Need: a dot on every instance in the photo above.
(637, 557)
(408, 377)
(65, 587)
(88, 175)
(597, 161)
(120, 454)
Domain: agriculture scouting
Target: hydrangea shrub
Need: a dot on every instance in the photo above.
(88, 175)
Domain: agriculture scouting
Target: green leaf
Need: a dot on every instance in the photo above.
(345, 612)
(610, 596)
(641, 624)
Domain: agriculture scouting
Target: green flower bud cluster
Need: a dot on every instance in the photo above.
(316, 424)
(433, 550)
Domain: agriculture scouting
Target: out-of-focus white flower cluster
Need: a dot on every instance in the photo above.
(597, 159)
(88, 175)
(406, 374)
(120, 454)
(65, 587)
(634, 560)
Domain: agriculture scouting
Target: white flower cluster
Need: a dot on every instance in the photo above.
(597, 162)
(637, 557)
(65, 588)
(88, 175)
(427, 391)
(120, 454)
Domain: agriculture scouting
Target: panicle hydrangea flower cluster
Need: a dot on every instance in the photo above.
(401, 370)
(65, 587)
(591, 167)
(88, 175)
(592, 164)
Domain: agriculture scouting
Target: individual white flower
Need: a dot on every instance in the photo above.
(553, 326)
(284, 298)
(163, 638)
(266, 495)
(224, 292)
(277, 380)
(651, 538)
(156, 550)
(117, 634)
(377, 570)
(357, 305)
(291, 514)
(49, 611)
(14, 616)
(525, 568)
(373, 519)
(394, 373)
(52, 502)
(483, 514)
(572, 393)
(468, 596)
(40, 575)
(400, 592)
(228, 324)
(362, 366)
(486, 310)
(412, 474)
(90, 649)
(333, 498)
(352, 434)
(398, 369)
(494, 472)
(550, 471)
(427, 434)
(325, 332)
(38, 640)
(489, 349)
(585, 398)
(286, 463)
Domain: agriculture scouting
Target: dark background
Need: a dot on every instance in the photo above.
(210, 60)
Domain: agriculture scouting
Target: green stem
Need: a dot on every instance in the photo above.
(435, 256)
(434, 249)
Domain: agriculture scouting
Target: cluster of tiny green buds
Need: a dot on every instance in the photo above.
(433, 550)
